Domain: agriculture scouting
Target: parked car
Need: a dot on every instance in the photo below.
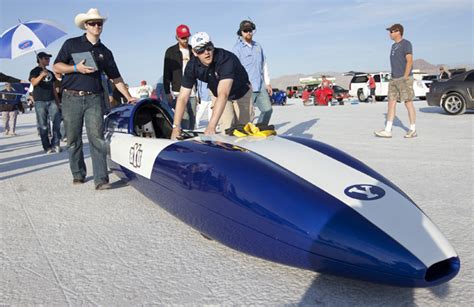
(294, 91)
(358, 86)
(454, 95)
(278, 97)
(340, 93)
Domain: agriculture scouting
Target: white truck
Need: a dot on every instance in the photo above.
(359, 86)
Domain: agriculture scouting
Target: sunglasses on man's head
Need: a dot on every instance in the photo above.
(95, 23)
(207, 47)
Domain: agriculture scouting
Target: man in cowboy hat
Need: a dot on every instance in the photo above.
(83, 95)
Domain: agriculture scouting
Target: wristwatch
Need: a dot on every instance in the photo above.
(176, 126)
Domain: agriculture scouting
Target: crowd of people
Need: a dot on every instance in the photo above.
(226, 84)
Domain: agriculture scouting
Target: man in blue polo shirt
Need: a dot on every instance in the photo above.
(83, 94)
(227, 80)
(250, 54)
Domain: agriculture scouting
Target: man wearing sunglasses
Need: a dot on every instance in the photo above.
(250, 54)
(176, 58)
(83, 95)
(227, 80)
(400, 87)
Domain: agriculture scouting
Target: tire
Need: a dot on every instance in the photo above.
(361, 96)
(454, 104)
(339, 99)
(380, 98)
(422, 98)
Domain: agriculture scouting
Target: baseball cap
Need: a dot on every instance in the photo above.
(43, 55)
(199, 39)
(182, 31)
(395, 27)
(247, 25)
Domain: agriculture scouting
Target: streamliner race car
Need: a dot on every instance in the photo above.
(320, 210)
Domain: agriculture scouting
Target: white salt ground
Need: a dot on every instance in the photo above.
(71, 245)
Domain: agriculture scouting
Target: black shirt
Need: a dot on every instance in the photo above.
(44, 90)
(225, 65)
(102, 56)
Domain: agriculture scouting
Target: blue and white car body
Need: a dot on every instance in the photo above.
(316, 208)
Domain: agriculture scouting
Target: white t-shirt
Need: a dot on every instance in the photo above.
(186, 58)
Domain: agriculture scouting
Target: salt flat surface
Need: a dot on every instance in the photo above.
(71, 245)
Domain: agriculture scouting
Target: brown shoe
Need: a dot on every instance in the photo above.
(78, 181)
(103, 186)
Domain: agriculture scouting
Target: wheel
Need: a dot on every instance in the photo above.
(422, 98)
(454, 104)
(361, 95)
(379, 98)
(340, 99)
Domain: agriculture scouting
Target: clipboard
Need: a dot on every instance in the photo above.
(87, 56)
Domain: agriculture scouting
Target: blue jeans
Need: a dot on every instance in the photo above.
(188, 121)
(44, 109)
(78, 110)
(262, 101)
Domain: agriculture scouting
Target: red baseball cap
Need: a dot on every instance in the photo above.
(182, 31)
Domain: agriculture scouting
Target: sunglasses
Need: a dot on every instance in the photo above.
(95, 23)
(247, 30)
(208, 47)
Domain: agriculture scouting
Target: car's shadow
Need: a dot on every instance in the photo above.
(440, 110)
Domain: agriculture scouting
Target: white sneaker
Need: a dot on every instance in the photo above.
(411, 134)
(57, 148)
(383, 134)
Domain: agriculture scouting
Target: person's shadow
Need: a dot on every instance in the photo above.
(301, 128)
(398, 123)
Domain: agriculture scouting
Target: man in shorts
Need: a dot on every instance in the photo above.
(401, 86)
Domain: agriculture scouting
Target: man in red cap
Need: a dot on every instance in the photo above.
(176, 58)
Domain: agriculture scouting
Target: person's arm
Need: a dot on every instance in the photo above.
(181, 102)
(63, 68)
(409, 65)
(223, 91)
(266, 79)
(167, 75)
(36, 80)
(120, 85)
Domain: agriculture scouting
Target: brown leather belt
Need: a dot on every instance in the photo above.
(80, 93)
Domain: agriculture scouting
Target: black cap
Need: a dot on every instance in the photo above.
(396, 27)
(43, 55)
(246, 25)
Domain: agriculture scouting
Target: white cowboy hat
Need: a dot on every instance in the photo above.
(92, 14)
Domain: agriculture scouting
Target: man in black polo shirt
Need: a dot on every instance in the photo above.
(227, 80)
(83, 95)
(46, 102)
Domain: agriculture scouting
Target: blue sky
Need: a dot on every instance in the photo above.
(297, 36)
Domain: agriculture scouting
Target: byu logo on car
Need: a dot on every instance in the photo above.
(364, 192)
(135, 157)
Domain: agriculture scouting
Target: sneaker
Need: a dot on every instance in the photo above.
(383, 134)
(49, 151)
(57, 148)
(411, 134)
(76, 181)
(103, 186)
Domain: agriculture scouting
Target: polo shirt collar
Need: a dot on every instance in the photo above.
(244, 43)
(84, 39)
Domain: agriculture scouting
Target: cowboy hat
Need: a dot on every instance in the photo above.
(92, 14)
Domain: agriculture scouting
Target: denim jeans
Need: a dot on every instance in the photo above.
(45, 109)
(188, 121)
(78, 110)
(262, 101)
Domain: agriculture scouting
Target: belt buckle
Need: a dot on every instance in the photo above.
(81, 93)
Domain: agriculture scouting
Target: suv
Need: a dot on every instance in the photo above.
(359, 88)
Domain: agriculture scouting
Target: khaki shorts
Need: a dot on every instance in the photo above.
(239, 111)
(401, 90)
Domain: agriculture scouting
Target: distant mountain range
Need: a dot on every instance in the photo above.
(424, 66)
